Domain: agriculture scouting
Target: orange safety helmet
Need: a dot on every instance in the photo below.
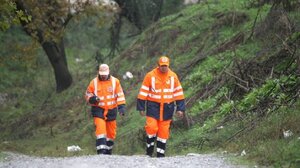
(164, 60)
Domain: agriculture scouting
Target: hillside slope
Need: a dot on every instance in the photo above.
(239, 67)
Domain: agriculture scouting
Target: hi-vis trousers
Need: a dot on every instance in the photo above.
(105, 134)
(159, 130)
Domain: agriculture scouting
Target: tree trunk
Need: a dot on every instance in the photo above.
(115, 36)
(55, 51)
(56, 54)
(159, 4)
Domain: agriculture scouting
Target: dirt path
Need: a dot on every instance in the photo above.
(191, 161)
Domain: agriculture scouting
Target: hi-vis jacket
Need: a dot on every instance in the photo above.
(161, 93)
(111, 97)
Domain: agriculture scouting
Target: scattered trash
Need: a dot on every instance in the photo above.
(220, 127)
(287, 133)
(243, 153)
(192, 154)
(73, 148)
(127, 75)
(78, 60)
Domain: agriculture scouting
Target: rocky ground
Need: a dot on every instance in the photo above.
(191, 160)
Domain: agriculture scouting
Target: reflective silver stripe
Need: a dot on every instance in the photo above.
(101, 104)
(168, 96)
(121, 99)
(168, 90)
(120, 94)
(151, 144)
(172, 83)
(161, 140)
(145, 87)
(111, 140)
(157, 91)
(155, 96)
(151, 136)
(101, 136)
(153, 83)
(160, 150)
(110, 96)
(113, 80)
(101, 147)
(143, 93)
(111, 102)
(101, 98)
(95, 87)
(178, 94)
(177, 88)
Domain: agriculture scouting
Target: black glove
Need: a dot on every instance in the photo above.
(121, 109)
(93, 100)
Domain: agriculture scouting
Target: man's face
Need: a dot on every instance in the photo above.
(104, 77)
(163, 68)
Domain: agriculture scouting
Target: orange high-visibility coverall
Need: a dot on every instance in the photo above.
(111, 97)
(162, 94)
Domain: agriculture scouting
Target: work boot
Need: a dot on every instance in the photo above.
(101, 146)
(149, 151)
(150, 145)
(101, 151)
(160, 147)
(108, 152)
(160, 155)
(110, 144)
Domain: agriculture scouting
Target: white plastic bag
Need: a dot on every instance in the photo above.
(73, 148)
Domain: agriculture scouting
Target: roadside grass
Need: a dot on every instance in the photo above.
(2, 156)
(267, 143)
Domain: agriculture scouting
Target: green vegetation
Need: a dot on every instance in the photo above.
(2, 156)
(241, 85)
(10, 15)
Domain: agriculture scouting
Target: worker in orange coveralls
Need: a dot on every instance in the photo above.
(106, 97)
(160, 96)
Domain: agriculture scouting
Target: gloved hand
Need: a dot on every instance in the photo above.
(93, 100)
(121, 109)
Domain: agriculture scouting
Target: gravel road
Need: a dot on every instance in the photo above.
(104, 161)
